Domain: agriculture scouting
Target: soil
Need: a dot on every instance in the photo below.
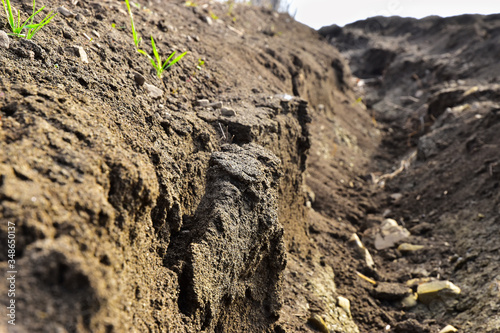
(227, 202)
(432, 85)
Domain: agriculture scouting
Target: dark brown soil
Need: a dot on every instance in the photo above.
(436, 93)
(163, 214)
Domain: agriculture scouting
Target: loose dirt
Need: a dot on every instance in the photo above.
(226, 203)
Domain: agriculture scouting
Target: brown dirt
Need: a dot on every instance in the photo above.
(141, 214)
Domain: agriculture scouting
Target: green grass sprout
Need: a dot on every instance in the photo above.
(213, 16)
(16, 25)
(200, 64)
(158, 64)
(137, 40)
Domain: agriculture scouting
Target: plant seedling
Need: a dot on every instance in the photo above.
(158, 65)
(16, 25)
(137, 40)
(214, 17)
(200, 64)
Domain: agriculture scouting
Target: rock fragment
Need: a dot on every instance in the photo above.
(139, 79)
(406, 248)
(361, 250)
(448, 329)
(83, 55)
(388, 291)
(390, 234)
(208, 20)
(203, 102)
(410, 301)
(4, 39)
(436, 289)
(153, 91)
(226, 112)
(80, 18)
(68, 33)
(216, 105)
(318, 323)
(345, 304)
(396, 197)
(65, 12)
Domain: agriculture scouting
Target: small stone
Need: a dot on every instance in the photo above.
(203, 102)
(139, 79)
(388, 291)
(345, 304)
(81, 18)
(153, 91)
(65, 12)
(226, 112)
(414, 283)
(95, 33)
(4, 39)
(68, 33)
(409, 301)
(448, 329)
(395, 197)
(208, 20)
(361, 250)
(436, 289)
(390, 233)
(216, 105)
(83, 55)
(405, 247)
(318, 323)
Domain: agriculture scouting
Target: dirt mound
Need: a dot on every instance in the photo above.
(129, 213)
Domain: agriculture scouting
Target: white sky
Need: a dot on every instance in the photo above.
(318, 13)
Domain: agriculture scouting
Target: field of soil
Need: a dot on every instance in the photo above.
(276, 179)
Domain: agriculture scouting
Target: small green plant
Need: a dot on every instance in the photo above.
(158, 64)
(201, 63)
(137, 40)
(213, 16)
(156, 61)
(16, 25)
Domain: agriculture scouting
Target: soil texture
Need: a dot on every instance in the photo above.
(258, 186)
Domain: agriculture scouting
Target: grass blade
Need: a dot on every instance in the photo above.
(32, 17)
(142, 52)
(155, 51)
(33, 29)
(177, 59)
(134, 33)
(168, 59)
(29, 24)
(8, 12)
